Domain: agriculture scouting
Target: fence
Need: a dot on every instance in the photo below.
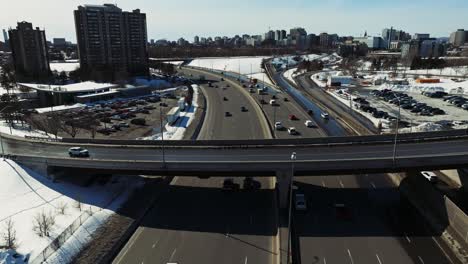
(70, 230)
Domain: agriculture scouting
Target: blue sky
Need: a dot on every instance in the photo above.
(172, 19)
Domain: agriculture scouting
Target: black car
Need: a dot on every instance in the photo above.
(225, 99)
(407, 106)
(251, 184)
(229, 184)
(438, 111)
(227, 114)
(243, 109)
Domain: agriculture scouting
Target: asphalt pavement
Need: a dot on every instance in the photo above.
(197, 221)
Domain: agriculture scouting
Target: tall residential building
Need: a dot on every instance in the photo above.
(459, 38)
(29, 49)
(5, 37)
(196, 40)
(111, 41)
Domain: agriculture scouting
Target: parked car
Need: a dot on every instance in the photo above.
(123, 124)
(429, 175)
(78, 152)
(138, 121)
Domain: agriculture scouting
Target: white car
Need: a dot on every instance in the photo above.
(324, 115)
(279, 126)
(309, 123)
(78, 152)
(300, 202)
(272, 102)
(429, 175)
(292, 131)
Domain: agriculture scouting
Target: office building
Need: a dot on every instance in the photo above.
(459, 38)
(111, 43)
(59, 42)
(196, 40)
(431, 48)
(298, 37)
(5, 37)
(373, 43)
(409, 51)
(29, 50)
(421, 36)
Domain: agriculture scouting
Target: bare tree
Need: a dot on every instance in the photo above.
(70, 127)
(9, 234)
(43, 223)
(62, 208)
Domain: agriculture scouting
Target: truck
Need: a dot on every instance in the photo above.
(173, 115)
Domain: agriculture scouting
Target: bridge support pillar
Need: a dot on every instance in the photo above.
(283, 186)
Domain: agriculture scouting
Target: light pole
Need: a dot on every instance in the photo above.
(293, 159)
(162, 134)
(274, 120)
(396, 130)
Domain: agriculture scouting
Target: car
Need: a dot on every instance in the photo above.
(251, 90)
(230, 185)
(244, 86)
(250, 184)
(244, 109)
(300, 202)
(310, 123)
(292, 131)
(342, 212)
(262, 101)
(324, 115)
(310, 112)
(285, 99)
(222, 79)
(123, 124)
(292, 117)
(78, 152)
(465, 106)
(429, 175)
(227, 114)
(273, 102)
(279, 126)
(225, 98)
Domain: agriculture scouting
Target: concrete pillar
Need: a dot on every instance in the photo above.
(283, 181)
(463, 175)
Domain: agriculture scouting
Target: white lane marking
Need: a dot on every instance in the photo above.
(173, 253)
(155, 243)
(378, 259)
(324, 261)
(130, 245)
(175, 180)
(420, 259)
(407, 238)
(373, 185)
(323, 183)
(445, 253)
(341, 183)
(350, 257)
(245, 262)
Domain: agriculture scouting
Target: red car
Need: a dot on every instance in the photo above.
(293, 117)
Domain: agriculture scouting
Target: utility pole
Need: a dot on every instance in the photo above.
(293, 159)
(162, 135)
(396, 131)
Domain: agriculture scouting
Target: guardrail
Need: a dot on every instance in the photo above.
(43, 139)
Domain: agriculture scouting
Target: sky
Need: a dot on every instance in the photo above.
(187, 18)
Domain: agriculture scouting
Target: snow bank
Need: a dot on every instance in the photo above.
(244, 65)
(446, 85)
(424, 127)
(25, 193)
(59, 108)
(20, 131)
(64, 66)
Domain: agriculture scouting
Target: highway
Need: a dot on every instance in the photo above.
(196, 221)
(379, 231)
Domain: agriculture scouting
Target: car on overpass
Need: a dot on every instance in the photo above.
(78, 152)
(230, 185)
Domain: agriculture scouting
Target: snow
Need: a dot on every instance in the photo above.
(59, 108)
(424, 127)
(446, 85)
(177, 130)
(24, 193)
(263, 77)
(70, 88)
(21, 131)
(64, 66)
(290, 74)
(246, 65)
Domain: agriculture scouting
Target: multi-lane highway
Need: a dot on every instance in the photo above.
(197, 222)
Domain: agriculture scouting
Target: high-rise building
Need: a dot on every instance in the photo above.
(459, 38)
(29, 49)
(59, 42)
(421, 36)
(5, 37)
(409, 50)
(111, 41)
(196, 40)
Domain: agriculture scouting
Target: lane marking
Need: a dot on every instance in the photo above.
(373, 185)
(445, 253)
(341, 183)
(407, 238)
(324, 261)
(154, 245)
(420, 259)
(323, 183)
(173, 253)
(350, 257)
(245, 262)
(378, 259)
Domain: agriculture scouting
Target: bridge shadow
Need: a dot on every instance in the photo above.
(213, 210)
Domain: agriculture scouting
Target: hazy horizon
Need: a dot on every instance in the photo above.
(182, 18)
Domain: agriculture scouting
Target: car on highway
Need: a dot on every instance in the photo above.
(244, 109)
(227, 114)
(429, 175)
(225, 98)
(230, 185)
(324, 115)
(78, 152)
(300, 202)
(310, 112)
(250, 184)
(310, 123)
(251, 90)
(292, 117)
(292, 131)
(279, 126)
(273, 102)
(342, 212)
(285, 99)
(262, 101)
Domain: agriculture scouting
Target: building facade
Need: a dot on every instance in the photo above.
(111, 42)
(459, 38)
(29, 50)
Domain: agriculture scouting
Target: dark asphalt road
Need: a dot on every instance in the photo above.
(197, 222)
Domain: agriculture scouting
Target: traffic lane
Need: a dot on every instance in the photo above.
(215, 226)
(281, 111)
(249, 154)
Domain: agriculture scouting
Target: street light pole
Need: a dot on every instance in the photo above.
(293, 159)
(396, 130)
(274, 120)
(162, 135)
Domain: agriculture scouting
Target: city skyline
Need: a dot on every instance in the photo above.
(164, 19)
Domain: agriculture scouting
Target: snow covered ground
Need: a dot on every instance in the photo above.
(446, 85)
(20, 131)
(25, 193)
(290, 74)
(263, 77)
(246, 65)
(59, 108)
(177, 130)
(64, 66)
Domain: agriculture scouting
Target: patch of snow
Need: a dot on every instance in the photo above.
(64, 66)
(75, 87)
(59, 108)
(21, 131)
(424, 127)
(244, 65)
